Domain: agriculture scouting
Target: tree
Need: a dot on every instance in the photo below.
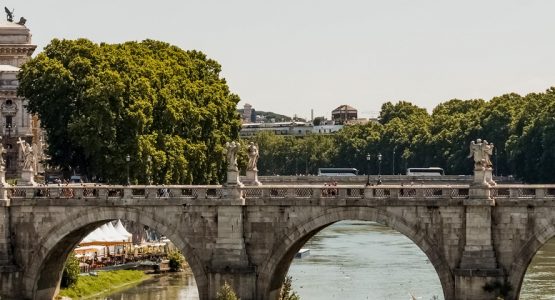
(226, 292)
(454, 124)
(531, 146)
(317, 121)
(403, 110)
(101, 102)
(405, 136)
(175, 261)
(498, 118)
(70, 275)
(286, 291)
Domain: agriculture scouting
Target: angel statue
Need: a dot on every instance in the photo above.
(2, 152)
(481, 151)
(253, 157)
(28, 155)
(9, 14)
(231, 155)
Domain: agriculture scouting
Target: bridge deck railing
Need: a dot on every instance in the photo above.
(273, 192)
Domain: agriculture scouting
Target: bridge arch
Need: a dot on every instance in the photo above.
(524, 256)
(43, 275)
(272, 273)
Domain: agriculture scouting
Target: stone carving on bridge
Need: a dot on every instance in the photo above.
(27, 173)
(253, 157)
(481, 151)
(231, 149)
(231, 155)
(252, 170)
(3, 183)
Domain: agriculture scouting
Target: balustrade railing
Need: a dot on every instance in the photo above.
(387, 192)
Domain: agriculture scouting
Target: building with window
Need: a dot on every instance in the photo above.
(16, 123)
(343, 114)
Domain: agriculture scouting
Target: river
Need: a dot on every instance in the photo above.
(357, 260)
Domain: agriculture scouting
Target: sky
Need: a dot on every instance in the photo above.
(291, 56)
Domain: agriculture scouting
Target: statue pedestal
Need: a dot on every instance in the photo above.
(252, 178)
(483, 178)
(27, 178)
(233, 178)
(4, 200)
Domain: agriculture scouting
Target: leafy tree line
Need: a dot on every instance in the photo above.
(171, 113)
(167, 109)
(522, 129)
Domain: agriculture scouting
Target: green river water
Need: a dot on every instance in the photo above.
(357, 260)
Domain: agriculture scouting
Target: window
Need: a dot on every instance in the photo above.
(8, 121)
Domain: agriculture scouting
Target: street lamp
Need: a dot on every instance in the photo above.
(496, 160)
(128, 159)
(368, 169)
(393, 160)
(379, 168)
(149, 160)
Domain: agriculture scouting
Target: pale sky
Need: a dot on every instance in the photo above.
(293, 56)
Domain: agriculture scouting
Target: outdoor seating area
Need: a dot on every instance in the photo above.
(110, 246)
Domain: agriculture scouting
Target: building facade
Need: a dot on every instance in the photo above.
(16, 123)
(344, 113)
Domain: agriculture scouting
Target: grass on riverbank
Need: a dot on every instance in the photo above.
(105, 281)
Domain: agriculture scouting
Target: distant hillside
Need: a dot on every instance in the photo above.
(268, 116)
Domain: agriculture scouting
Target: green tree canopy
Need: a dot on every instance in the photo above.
(102, 102)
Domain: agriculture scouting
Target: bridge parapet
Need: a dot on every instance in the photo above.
(115, 192)
(523, 191)
(501, 193)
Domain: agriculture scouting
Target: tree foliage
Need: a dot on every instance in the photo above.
(522, 129)
(176, 261)
(102, 102)
(70, 275)
(226, 292)
(286, 291)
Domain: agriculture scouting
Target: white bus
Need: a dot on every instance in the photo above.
(337, 172)
(431, 171)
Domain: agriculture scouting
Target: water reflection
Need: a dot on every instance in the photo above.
(363, 260)
(357, 260)
(539, 281)
(179, 286)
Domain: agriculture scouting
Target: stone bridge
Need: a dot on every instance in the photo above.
(475, 237)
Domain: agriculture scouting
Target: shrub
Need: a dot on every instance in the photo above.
(176, 261)
(71, 271)
(286, 292)
(226, 293)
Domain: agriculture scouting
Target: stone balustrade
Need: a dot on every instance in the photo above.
(391, 192)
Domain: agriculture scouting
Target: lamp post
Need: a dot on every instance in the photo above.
(128, 159)
(379, 168)
(393, 161)
(368, 169)
(148, 160)
(496, 159)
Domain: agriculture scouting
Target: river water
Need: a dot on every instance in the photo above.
(357, 260)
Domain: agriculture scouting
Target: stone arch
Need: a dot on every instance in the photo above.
(272, 273)
(42, 276)
(524, 256)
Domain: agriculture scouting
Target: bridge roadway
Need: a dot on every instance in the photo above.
(475, 237)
